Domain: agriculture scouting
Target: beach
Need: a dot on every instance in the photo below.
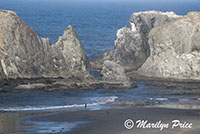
(107, 121)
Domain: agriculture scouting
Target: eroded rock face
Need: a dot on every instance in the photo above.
(129, 52)
(23, 54)
(113, 72)
(68, 57)
(131, 46)
(20, 46)
(175, 49)
(145, 21)
(72, 50)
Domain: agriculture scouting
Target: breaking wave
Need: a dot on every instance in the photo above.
(95, 102)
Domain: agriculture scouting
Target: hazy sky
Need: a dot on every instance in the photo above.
(135, 0)
(120, 0)
(113, 1)
(142, 0)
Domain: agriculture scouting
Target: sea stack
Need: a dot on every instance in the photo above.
(158, 44)
(131, 47)
(175, 49)
(23, 54)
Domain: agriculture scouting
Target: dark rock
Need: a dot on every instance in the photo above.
(3, 91)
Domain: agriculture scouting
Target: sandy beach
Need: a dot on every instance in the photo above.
(111, 121)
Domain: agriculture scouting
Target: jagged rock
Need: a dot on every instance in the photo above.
(175, 49)
(113, 72)
(145, 21)
(23, 54)
(131, 46)
(68, 57)
(128, 52)
(72, 51)
(98, 62)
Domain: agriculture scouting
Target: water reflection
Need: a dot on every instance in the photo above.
(40, 127)
(21, 123)
(9, 122)
(179, 106)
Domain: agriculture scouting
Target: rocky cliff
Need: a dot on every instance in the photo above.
(175, 49)
(23, 54)
(158, 44)
(131, 46)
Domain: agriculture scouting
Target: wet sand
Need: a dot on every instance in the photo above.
(112, 121)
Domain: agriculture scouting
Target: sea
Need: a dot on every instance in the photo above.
(96, 24)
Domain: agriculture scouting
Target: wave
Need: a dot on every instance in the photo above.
(97, 101)
(161, 99)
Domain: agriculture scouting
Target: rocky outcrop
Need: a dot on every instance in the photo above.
(131, 46)
(175, 49)
(23, 54)
(113, 72)
(68, 57)
(145, 21)
(38, 64)
(18, 44)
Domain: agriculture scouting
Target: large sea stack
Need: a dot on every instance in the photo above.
(175, 49)
(131, 46)
(158, 44)
(23, 54)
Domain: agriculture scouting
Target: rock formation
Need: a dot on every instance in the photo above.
(23, 54)
(68, 56)
(113, 72)
(131, 46)
(158, 45)
(175, 49)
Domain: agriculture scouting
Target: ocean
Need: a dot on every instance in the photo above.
(96, 24)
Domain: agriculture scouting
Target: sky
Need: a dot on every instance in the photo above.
(144, 0)
(118, 0)
(113, 1)
(108, 1)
